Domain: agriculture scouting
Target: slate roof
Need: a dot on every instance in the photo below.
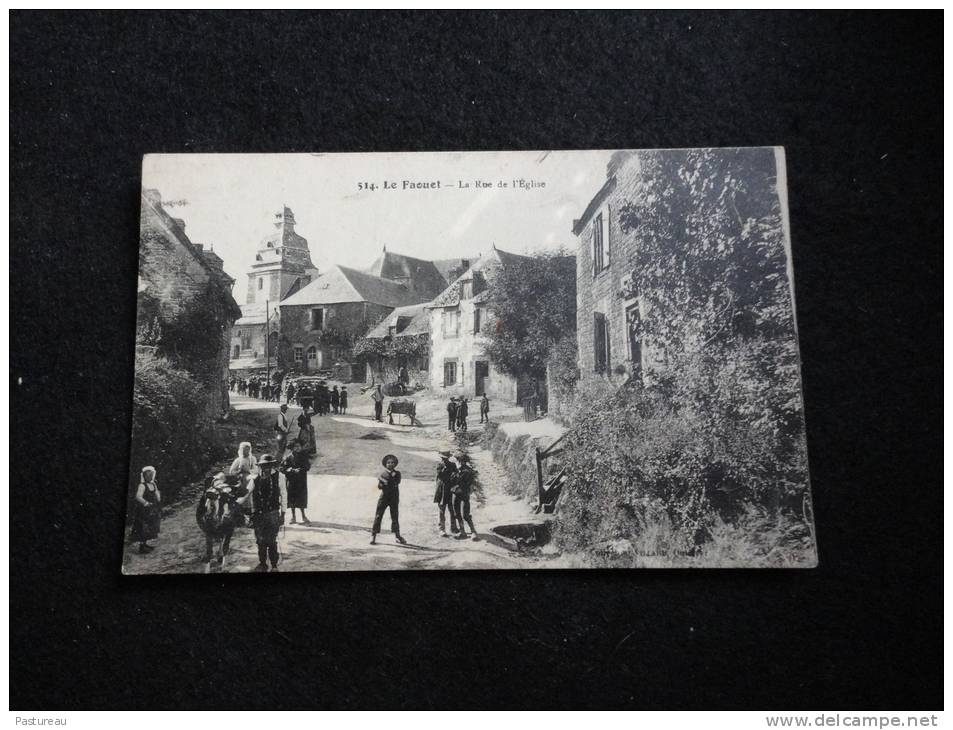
(339, 284)
(426, 277)
(175, 227)
(447, 266)
(418, 325)
(484, 265)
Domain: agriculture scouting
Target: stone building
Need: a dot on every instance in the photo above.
(185, 303)
(322, 321)
(458, 318)
(606, 317)
(400, 341)
(282, 266)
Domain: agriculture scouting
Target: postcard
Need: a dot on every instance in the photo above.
(467, 360)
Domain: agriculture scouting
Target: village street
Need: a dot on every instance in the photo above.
(342, 494)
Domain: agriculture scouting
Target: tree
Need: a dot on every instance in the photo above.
(534, 302)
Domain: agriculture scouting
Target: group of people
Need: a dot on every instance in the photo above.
(455, 481)
(322, 399)
(458, 410)
(255, 387)
(252, 492)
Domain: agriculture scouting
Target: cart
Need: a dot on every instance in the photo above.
(403, 407)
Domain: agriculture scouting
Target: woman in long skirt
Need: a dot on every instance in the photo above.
(145, 524)
(295, 467)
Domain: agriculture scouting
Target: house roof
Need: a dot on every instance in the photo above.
(579, 224)
(339, 284)
(484, 265)
(446, 267)
(418, 325)
(426, 277)
(175, 228)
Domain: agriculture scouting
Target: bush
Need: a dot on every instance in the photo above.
(169, 428)
(678, 471)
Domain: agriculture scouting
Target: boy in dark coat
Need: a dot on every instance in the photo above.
(463, 410)
(268, 513)
(388, 481)
(343, 399)
(335, 399)
(443, 497)
(462, 486)
(484, 409)
(452, 414)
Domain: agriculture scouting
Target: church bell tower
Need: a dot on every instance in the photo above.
(283, 262)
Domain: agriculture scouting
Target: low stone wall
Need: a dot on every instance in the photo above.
(514, 449)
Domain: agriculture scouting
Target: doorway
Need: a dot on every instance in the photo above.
(480, 373)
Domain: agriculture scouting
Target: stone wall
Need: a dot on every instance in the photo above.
(465, 348)
(599, 292)
(515, 453)
(175, 282)
(343, 325)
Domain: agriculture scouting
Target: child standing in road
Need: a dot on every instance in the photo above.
(388, 481)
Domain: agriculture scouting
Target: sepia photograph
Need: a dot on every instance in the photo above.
(467, 360)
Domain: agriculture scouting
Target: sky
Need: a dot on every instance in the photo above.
(228, 202)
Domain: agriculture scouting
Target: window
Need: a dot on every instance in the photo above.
(466, 289)
(450, 372)
(600, 242)
(298, 353)
(477, 319)
(317, 319)
(632, 319)
(261, 283)
(235, 351)
(312, 357)
(600, 342)
(451, 322)
(246, 339)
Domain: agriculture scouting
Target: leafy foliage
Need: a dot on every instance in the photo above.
(534, 302)
(716, 435)
(169, 428)
(393, 347)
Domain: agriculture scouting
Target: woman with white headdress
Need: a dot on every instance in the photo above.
(145, 524)
(245, 465)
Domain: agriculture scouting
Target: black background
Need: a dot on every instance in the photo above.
(855, 99)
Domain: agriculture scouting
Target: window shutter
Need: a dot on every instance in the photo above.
(592, 250)
(598, 341)
(606, 246)
(608, 340)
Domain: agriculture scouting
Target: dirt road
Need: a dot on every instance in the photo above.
(342, 493)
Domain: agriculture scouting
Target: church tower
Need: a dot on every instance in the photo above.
(282, 264)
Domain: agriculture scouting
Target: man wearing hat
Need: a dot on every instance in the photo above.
(452, 414)
(443, 497)
(388, 481)
(462, 486)
(268, 513)
(281, 429)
